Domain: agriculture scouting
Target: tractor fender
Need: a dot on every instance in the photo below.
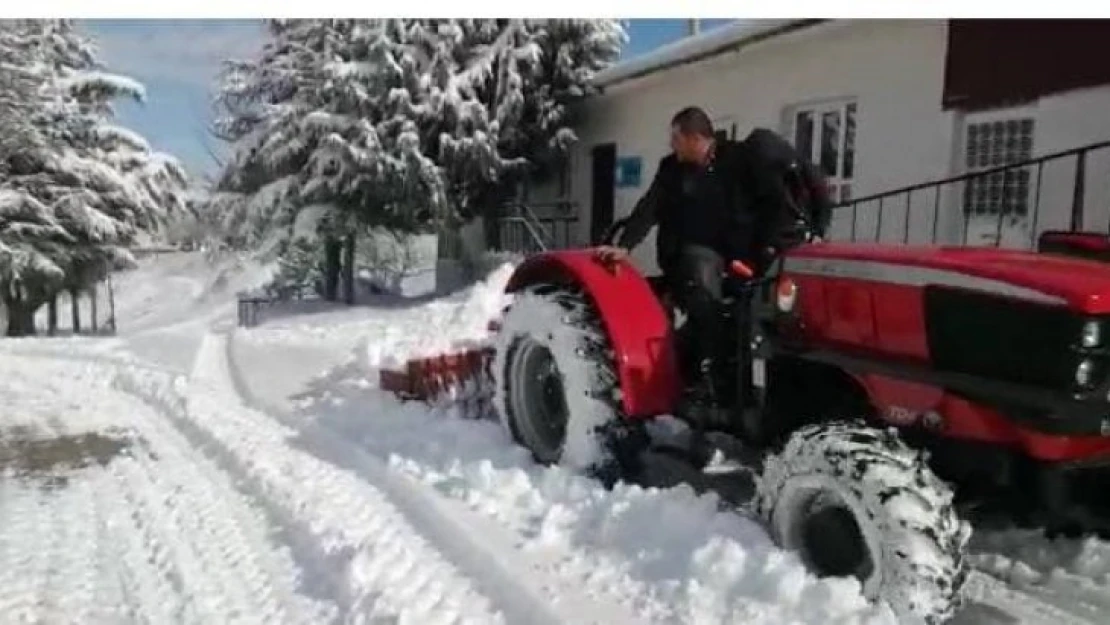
(638, 328)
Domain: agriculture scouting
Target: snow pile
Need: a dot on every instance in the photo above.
(460, 322)
(1065, 571)
(682, 557)
(395, 330)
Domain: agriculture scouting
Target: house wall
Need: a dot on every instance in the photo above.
(894, 70)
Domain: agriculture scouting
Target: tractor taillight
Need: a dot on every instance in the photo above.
(786, 294)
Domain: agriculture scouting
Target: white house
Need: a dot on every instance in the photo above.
(880, 105)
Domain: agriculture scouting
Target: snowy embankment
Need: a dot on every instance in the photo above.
(260, 476)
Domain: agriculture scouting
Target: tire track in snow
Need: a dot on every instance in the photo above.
(215, 554)
(151, 537)
(360, 548)
(23, 515)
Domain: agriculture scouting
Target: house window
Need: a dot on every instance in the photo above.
(996, 143)
(826, 134)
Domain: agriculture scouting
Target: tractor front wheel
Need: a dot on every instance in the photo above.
(556, 386)
(855, 501)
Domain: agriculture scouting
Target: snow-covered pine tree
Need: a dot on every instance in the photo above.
(30, 236)
(430, 118)
(370, 134)
(94, 184)
(389, 118)
(405, 124)
(260, 109)
(511, 91)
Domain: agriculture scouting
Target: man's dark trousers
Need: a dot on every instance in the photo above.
(696, 282)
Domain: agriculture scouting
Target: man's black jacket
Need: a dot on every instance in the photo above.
(737, 206)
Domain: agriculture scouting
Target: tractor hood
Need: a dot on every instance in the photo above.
(1083, 285)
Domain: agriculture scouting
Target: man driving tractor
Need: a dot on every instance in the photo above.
(716, 202)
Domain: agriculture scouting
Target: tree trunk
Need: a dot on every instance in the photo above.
(75, 310)
(29, 320)
(333, 249)
(21, 318)
(92, 308)
(111, 306)
(349, 270)
(52, 315)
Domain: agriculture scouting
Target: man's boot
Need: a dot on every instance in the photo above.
(702, 410)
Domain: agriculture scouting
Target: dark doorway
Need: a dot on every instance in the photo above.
(604, 171)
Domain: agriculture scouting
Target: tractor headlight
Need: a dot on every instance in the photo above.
(1084, 373)
(786, 295)
(1092, 334)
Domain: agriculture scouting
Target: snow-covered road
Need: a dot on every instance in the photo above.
(186, 474)
(109, 514)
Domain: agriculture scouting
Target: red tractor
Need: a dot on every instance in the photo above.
(890, 391)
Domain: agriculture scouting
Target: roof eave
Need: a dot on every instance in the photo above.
(715, 43)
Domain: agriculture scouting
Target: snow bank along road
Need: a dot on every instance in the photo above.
(134, 493)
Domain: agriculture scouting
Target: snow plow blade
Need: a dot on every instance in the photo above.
(461, 379)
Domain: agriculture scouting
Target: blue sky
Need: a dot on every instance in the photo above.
(178, 60)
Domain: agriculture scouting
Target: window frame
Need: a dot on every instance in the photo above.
(1021, 178)
(846, 157)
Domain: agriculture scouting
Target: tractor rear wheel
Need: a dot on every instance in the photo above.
(857, 501)
(556, 387)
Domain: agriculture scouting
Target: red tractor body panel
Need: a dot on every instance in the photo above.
(1079, 284)
(637, 325)
(868, 300)
(1076, 242)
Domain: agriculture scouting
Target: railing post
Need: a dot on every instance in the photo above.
(1078, 191)
(906, 230)
(966, 211)
(936, 213)
(879, 223)
(1036, 207)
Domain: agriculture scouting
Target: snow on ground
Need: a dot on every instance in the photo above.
(109, 515)
(187, 471)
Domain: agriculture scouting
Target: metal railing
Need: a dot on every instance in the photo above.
(523, 231)
(1016, 192)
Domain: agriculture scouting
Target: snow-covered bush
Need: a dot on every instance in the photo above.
(300, 272)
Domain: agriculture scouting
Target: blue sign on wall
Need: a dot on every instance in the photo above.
(628, 171)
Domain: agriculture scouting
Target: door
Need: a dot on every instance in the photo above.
(602, 194)
(996, 207)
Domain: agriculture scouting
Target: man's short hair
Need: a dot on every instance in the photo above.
(692, 120)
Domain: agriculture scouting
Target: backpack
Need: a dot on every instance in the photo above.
(788, 187)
